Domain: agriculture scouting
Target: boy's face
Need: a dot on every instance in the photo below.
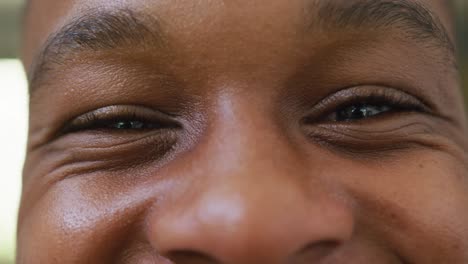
(243, 131)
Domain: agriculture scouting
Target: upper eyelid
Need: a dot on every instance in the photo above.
(355, 94)
(117, 111)
(335, 99)
(376, 91)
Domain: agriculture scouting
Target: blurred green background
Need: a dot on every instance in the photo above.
(462, 26)
(13, 109)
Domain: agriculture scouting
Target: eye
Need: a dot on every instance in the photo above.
(361, 111)
(122, 124)
(128, 125)
(120, 118)
(358, 104)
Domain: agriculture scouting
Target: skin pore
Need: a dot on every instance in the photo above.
(211, 131)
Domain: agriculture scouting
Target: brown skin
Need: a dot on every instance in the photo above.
(250, 165)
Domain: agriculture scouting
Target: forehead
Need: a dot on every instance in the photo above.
(47, 16)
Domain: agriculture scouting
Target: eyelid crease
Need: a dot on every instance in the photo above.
(115, 113)
(370, 94)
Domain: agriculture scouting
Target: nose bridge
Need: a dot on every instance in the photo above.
(248, 136)
(251, 202)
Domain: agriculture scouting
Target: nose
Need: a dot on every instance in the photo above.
(241, 225)
(253, 200)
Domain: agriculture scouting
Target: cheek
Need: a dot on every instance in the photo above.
(416, 206)
(418, 203)
(84, 221)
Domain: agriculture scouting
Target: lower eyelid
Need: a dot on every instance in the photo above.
(354, 138)
(104, 152)
(105, 140)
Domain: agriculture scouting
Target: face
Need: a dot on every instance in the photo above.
(298, 131)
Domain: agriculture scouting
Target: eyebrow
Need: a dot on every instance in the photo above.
(408, 16)
(97, 31)
(107, 30)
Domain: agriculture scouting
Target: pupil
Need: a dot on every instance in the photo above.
(360, 111)
(129, 125)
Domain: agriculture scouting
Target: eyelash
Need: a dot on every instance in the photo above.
(104, 118)
(397, 100)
